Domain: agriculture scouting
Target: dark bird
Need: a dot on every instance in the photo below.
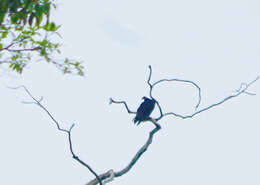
(144, 110)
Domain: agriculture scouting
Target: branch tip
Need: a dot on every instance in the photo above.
(72, 126)
(110, 101)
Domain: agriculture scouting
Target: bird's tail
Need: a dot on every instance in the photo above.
(135, 120)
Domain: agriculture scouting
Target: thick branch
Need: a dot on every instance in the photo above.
(68, 132)
(134, 160)
(141, 151)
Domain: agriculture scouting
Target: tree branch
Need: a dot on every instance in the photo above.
(149, 81)
(111, 174)
(141, 151)
(241, 90)
(68, 132)
(122, 102)
(20, 50)
(151, 86)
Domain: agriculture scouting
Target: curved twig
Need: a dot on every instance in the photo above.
(151, 86)
(184, 81)
(68, 132)
(134, 160)
(149, 81)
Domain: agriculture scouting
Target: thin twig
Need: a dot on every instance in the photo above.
(184, 81)
(239, 92)
(68, 132)
(149, 81)
(26, 49)
(151, 86)
(122, 102)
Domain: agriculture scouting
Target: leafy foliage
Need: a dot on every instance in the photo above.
(26, 33)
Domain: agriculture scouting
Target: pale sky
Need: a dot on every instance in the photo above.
(213, 43)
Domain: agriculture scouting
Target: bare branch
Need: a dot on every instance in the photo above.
(241, 87)
(239, 92)
(68, 132)
(26, 49)
(14, 43)
(26, 102)
(135, 158)
(149, 81)
(151, 86)
(141, 151)
(108, 175)
(7, 47)
(121, 102)
(184, 81)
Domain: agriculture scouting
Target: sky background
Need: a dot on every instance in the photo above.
(214, 43)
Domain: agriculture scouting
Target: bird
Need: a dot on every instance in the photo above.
(144, 110)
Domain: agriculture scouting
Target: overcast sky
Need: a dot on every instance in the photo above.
(214, 43)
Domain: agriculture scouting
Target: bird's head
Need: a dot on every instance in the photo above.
(145, 98)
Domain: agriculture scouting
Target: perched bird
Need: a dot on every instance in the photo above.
(144, 110)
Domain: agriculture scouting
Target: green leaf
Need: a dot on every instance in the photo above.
(2, 16)
(4, 34)
(11, 66)
(46, 8)
(51, 27)
(14, 18)
(43, 43)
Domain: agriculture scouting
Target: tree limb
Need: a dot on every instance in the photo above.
(133, 161)
(26, 49)
(241, 90)
(110, 175)
(151, 86)
(122, 102)
(68, 132)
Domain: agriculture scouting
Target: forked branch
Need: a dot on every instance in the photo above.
(68, 132)
(242, 90)
(110, 175)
